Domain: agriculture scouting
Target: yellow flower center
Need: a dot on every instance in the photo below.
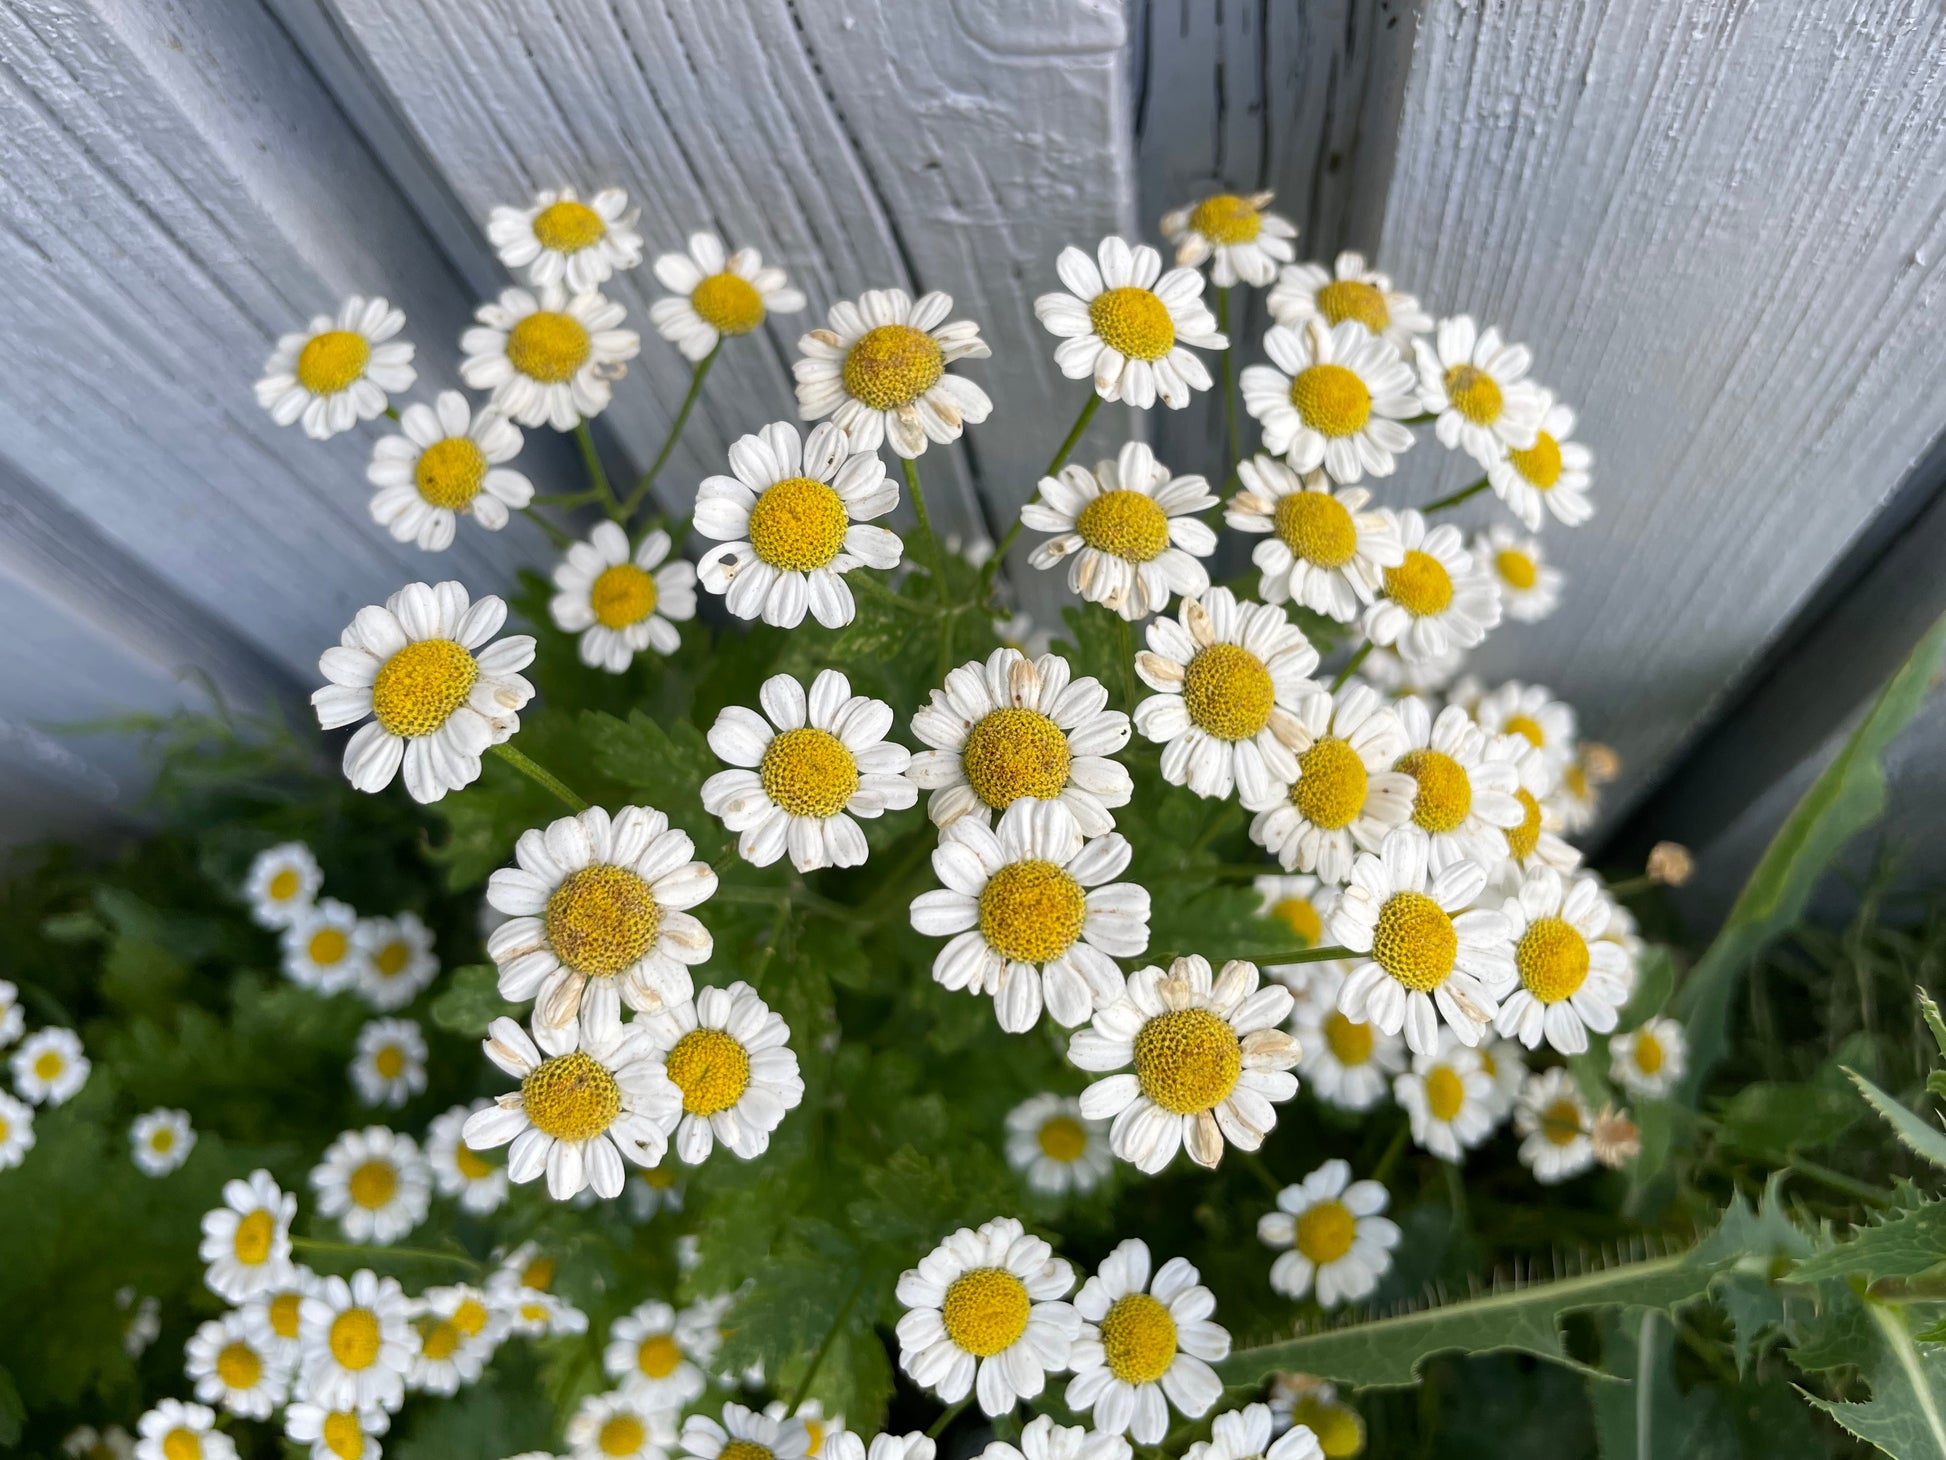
(1648, 1052)
(450, 472)
(1340, 1431)
(1138, 1339)
(419, 688)
(1528, 728)
(441, 1340)
(354, 1338)
(538, 1274)
(163, 1140)
(809, 772)
(571, 1097)
(549, 347)
(392, 959)
(1344, 299)
(1329, 791)
(1316, 527)
(1522, 839)
(327, 946)
(1350, 1041)
(389, 1062)
(1444, 798)
(1063, 1138)
(813, 1434)
(1300, 915)
(568, 226)
(622, 595)
(470, 1317)
(1540, 463)
(798, 524)
(342, 1435)
(1325, 1232)
(238, 1366)
(283, 887)
(659, 1177)
(1125, 524)
(470, 1163)
(621, 1434)
(1133, 322)
(1012, 753)
(711, 1069)
(601, 920)
(1474, 394)
(658, 1356)
(728, 304)
(892, 366)
(372, 1184)
(1561, 1123)
(1445, 1093)
(254, 1233)
(1031, 911)
(1517, 568)
(1226, 218)
(745, 1450)
(1228, 692)
(285, 1310)
(1420, 585)
(1415, 941)
(1187, 1060)
(1552, 958)
(1575, 778)
(985, 1310)
(330, 362)
(1332, 400)
(182, 1444)
(49, 1063)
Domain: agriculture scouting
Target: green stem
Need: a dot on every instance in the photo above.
(556, 534)
(1325, 954)
(392, 411)
(359, 1249)
(950, 1414)
(597, 473)
(864, 579)
(933, 558)
(1230, 432)
(1838, 1181)
(1351, 667)
(817, 1359)
(539, 774)
(1629, 886)
(1224, 871)
(675, 431)
(1455, 499)
(1392, 1153)
(563, 499)
(1088, 409)
(799, 896)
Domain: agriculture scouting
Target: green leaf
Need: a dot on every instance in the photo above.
(1925, 1140)
(1906, 1415)
(470, 1001)
(1933, 1022)
(1651, 1414)
(1904, 1244)
(1655, 980)
(13, 1411)
(1769, 1118)
(667, 766)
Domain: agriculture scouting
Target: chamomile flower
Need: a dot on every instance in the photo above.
(1536, 840)
(177, 1431)
(1231, 680)
(1506, 1065)
(161, 1141)
(438, 688)
(656, 1190)
(588, 1097)
(460, 1171)
(454, 1334)
(729, 1057)
(274, 1317)
(598, 916)
(1551, 476)
(1476, 384)
(247, 1241)
(1034, 914)
(619, 602)
(398, 960)
(1126, 324)
(621, 1426)
(743, 1434)
(798, 777)
(1300, 902)
(16, 1131)
(358, 1342)
(336, 1434)
(283, 882)
(231, 1371)
(1571, 979)
(1205, 1062)
(320, 948)
(1463, 799)
(1057, 1148)
(1332, 1236)
(1245, 1434)
(1129, 527)
(1576, 800)
(1449, 1098)
(1245, 241)
(388, 1066)
(445, 463)
(1346, 1063)
(375, 1183)
(660, 1355)
(1016, 728)
(559, 239)
(715, 293)
(519, 1291)
(1344, 794)
(878, 370)
(1437, 599)
(826, 1437)
(1531, 712)
(1325, 551)
(144, 1324)
(1529, 588)
(1144, 1345)
(985, 1313)
(1299, 1401)
(49, 1067)
(1332, 397)
(1386, 670)
(793, 520)
(1347, 291)
(1433, 953)
(1650, 1060)
(549, 359)
(339, 369)
(1553, 1123)
(1042, 1439)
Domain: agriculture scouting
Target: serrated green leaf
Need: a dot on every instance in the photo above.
(1906, 1415)
(1905, 1243)
(1921, 1138)
(1930, 1011)
(664, 767)
(470, 1001)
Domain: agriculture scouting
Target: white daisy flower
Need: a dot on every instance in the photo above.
(621, 1426)
(518, 1292)
(1016, 727)
(1144, 1346)
(1435, 601)
(1244, 1434)
(338, 370)
(1531, 712)
(161, 1141)
(655, 1190)
(743, 1434)
(1553, 1123)
(85, 1442)
(357, 1342)
(1057, 1148)
(1347, 291)
(438, 688)
(715, 293)
(1450, 1099)
(598, 916)
(1477, 385)
(336, 1434)
(375, 1183)
(1464, 800)
(454, 1334)
(1042, 1439)
(398, 957)
(1572, 980)
(562, 240)
(16, 1131)
(985, 1313)
(1433, 953)
(247, 1241)
(1034, 914)
(878, 370)
(1347, 1063)
(1536, 840)
(274, 1317)
(1246, 242)
(662, 1356)
(826, 1437)
(1650, 1060)
(320, 948)
(1550, 476)
(177, 1431)
(388, 1066)
(622, 603)
(1343, 794)
(447, 462)
(283, 882)
(549, 360)
(1125, 323)
(1206, 1061)
(1332, 397)
(1131, 529)
(588, 1097)
(1231, 679)
(1529, 588)
(1301, 903)
(1505, 1063)
(1386, 670)
(1325, 552)
(1303, 1400)
(1331, 1234)
(231, 1371)
(460, 1171)
(1576, 800)
(728, 1055)
(49, 1067)
(798, 778)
